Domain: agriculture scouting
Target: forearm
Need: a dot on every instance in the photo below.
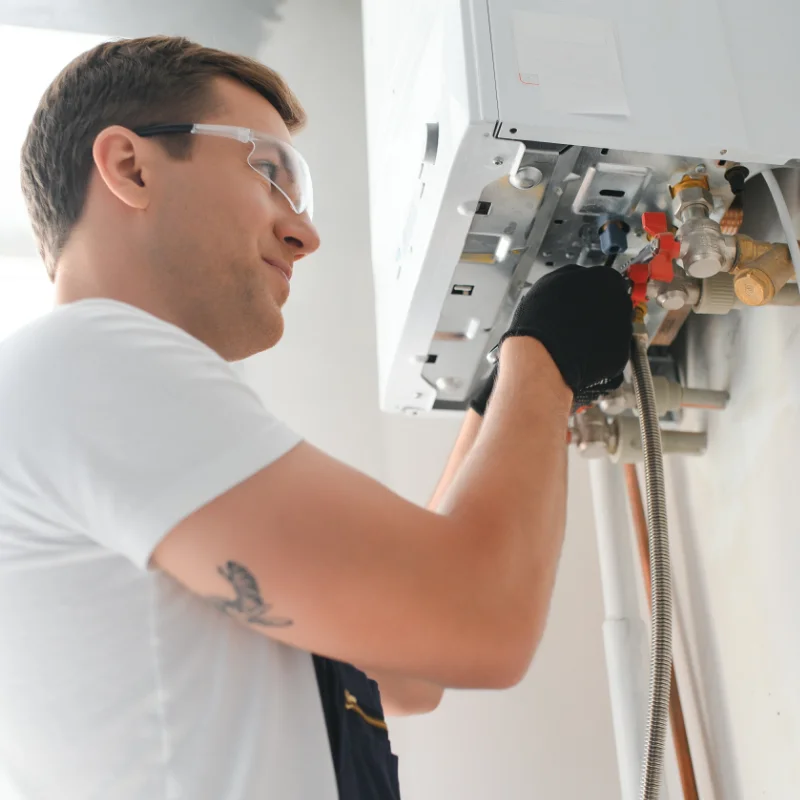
(466, 439)
(401, 695)
(505, 478)
(509, 495)
(505, 485)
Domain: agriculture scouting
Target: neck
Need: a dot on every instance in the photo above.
(84, 272)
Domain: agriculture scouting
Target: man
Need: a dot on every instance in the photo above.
(170, 553)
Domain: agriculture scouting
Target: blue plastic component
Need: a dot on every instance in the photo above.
(613, 237)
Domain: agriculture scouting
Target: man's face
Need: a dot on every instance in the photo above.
(217, 225)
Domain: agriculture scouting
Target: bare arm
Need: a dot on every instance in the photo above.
(536, 415)
(402, 695)
(466, 439)
(339, 565)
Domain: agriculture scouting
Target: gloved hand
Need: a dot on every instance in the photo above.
(583, 317)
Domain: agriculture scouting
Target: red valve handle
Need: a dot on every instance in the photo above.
(659, 268)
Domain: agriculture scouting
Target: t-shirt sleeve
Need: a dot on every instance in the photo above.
(128, 424)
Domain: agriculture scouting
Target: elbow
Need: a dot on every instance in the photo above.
(504, 658)
(509, 671)
(510, 674)
(510, 635)
(496, 617)
(434, 702)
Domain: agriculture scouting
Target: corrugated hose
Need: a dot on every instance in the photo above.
(661, 584)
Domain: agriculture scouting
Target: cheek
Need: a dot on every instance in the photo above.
(243, 212)
(216, 216)
(193, 208)
(256, 206)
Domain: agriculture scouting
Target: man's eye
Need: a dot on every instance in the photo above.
(269, 169)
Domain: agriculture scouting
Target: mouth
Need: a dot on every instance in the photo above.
(282, 266)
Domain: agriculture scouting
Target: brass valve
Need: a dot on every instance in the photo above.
(757, 282)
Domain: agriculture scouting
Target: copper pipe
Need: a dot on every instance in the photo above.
(679, 737)
(733, 218)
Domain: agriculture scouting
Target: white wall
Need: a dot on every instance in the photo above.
(736, 551)
(551, 736)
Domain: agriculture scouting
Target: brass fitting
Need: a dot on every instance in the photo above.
(760, 271)
(757, 282)
(748, 250)
(688, 181)
(690, 191)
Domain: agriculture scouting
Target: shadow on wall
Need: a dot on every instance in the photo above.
(242, 26)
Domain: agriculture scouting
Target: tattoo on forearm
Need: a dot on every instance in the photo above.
(248, 606)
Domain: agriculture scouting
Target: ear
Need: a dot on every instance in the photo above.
(120, 157)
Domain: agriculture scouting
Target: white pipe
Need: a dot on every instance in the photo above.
(785, 216)
(624, 630)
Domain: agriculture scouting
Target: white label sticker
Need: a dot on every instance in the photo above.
(572, 61)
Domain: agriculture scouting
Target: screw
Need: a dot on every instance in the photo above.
(526, 178)
(722, 152)
(498, 162)
(700, 169)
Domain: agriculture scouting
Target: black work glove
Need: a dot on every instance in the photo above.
(583, 317)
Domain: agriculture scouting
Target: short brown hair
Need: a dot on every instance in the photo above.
(131, 82)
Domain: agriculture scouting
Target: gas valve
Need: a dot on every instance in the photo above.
(659, 266)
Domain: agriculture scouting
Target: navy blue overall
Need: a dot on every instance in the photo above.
(366, 768)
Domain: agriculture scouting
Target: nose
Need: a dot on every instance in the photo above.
(298, 232)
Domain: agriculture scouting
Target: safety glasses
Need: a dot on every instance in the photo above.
(275, 161)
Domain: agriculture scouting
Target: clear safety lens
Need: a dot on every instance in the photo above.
(281, 165)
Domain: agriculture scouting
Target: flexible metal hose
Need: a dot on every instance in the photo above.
(661, 584)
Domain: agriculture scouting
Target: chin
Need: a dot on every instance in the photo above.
(254, 333)
(270, 341)
(268, 332)
(256, 318)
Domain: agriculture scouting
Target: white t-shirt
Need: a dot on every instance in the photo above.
(116, 683)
